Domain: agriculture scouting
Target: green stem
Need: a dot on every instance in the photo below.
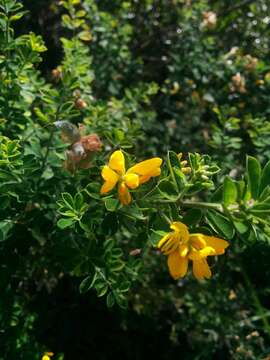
(201, 205)
(191, 204)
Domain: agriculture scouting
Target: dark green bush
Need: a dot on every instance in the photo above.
(80, 271)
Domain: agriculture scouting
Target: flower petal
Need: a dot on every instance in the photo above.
(171, 245)
(197, 240)
(117, 162)
(132, 181)
(182, 229)
(124, 195)
(201, 269)
(177, 265)
(216, 243)
(147, 168)
(183, 250)
(110, 178)
(201, 254)
(163, 240)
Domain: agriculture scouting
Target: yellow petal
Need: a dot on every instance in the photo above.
(148, 168)
(218, 244)
(132, 181)
(110, 178)
(201, 269)
(124, 195)
(163, 240)
(194, 254)
(183, 250)
(182, 229)
(201, 254)
(144, 179)
(177, 265)
(117, 162)
(171, 245)
(197, 240)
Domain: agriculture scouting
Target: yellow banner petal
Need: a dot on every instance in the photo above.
(117, 162)
(182, 229)
(148, 168)
(218, 244)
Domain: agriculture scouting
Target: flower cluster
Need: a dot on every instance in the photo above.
(180, 246)
(115, 173)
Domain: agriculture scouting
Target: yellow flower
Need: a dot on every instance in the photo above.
(180, 246)
(115, 172)
(47, 356)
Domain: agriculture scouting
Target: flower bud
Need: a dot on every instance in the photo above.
(209, 19)
(56, 74)
(80, 104)
(135, 252)
(250, 62)
(238, 83)
(91, 143)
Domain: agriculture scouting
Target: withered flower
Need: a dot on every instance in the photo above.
(81, 149)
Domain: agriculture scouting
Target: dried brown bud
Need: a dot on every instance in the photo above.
(209, 19)
(56, 74)
(91, 143)
(250, 62)
(238, 83)
(232, 295)
(80, 104)
(135, 252)
(80, 154)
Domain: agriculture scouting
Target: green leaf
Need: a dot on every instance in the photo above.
(111, 204)
(220, 224)
(133, 212)
(110, 300)
(101, 289)
(217, 196)
(254, 176)
(192, 217)
(93, 190)
(229, 191)
(78, 201)
(121, 300)
(116, 265)
(64, 223)
(265, 179)
(68, 200)
(265, 193)
(240, 227)
(85, 35)
(155, 236)
(86, 284)
(180, 178)
(173, 159)
(5, 227)
(168, 190)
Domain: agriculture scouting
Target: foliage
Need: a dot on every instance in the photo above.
(151, 78)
